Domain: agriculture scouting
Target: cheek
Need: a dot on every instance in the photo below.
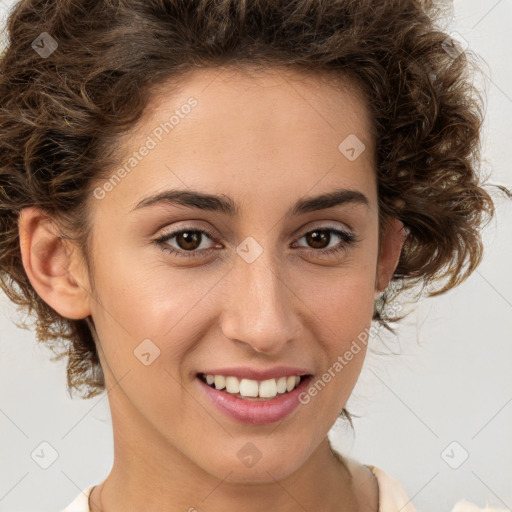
(148, 299)
(146, 321)
(340, 299)
(340, 307)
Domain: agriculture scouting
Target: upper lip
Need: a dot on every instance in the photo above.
(244, 372)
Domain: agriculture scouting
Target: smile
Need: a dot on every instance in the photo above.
(252, 389)
(251, 401)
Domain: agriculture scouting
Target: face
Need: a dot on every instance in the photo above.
(256, 288)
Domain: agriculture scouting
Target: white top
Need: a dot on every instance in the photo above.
(392, 498)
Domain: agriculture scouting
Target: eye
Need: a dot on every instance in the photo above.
(321, 237)
(188, 239)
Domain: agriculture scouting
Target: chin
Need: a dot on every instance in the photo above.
(260, 475)
(258, 470)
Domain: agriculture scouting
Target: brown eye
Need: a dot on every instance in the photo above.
(188, 242)
(319, 239)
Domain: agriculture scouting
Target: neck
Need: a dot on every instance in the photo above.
(150, 474)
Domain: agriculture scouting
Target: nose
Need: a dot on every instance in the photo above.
(261, 306)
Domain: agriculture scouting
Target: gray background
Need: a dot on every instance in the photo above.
(443, 394)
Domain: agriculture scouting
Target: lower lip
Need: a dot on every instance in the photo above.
(255, 412)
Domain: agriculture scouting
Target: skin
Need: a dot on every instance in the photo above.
(265, 140)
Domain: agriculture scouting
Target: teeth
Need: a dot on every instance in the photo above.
(220, 382)
(248, 387)
(268, 388)
(252, 388)
(281, 385)
(232, 385)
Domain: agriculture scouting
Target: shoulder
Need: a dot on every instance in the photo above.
(393, 497)
(365, 484)
(391, 493)
(377, 490)
(81, 502)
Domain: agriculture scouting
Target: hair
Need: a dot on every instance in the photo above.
(62, 118)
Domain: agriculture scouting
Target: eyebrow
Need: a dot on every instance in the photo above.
(225, 204)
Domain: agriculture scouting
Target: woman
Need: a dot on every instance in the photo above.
(211, 202)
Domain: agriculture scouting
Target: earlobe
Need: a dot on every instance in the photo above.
(50, 265)
(393, 239)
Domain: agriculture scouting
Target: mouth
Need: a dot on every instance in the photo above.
(253, 390)
(243, 401)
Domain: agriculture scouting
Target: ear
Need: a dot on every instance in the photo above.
(53, 265)
(393, 238)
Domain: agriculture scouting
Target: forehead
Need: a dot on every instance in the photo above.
(255, 99)
(270, 130)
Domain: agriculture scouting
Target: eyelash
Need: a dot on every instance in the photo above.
(347, 237)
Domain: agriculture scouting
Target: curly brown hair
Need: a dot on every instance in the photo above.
(62, 118)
